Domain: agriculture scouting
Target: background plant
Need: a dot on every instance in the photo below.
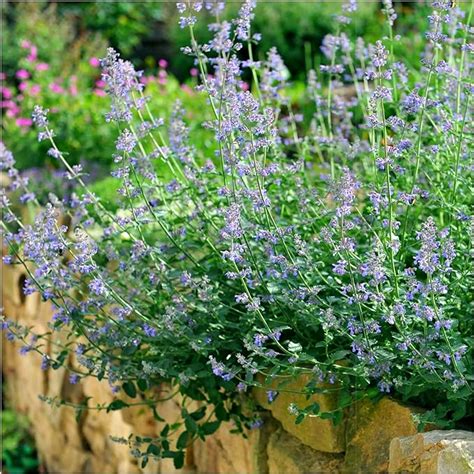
(334, 244)
(123, 24)
(18, 450)
(80, 90)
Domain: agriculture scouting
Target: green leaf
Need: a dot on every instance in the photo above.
(129, 389)
(460, 411)
(157, 417)
(144, 461)
(154, 450)
(460, 393)
(345, 398)
(190, 424)
(178, 460)
(372, 392)
(198, 414)
(299, 418)
(325, 415)
(337, 417)
(209, 428)
(142, 384)
(79, 411)
(30, 463)
(294, 347)
(165, 431)
(117, 405)
(271, 375)
(129, 350)
(182, 440)
(339, 355)
(221, 413)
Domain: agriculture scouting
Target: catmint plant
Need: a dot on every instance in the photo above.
(333, 243)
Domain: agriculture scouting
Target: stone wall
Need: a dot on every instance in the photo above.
(373, 438)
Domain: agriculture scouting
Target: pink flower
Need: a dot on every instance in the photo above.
(42, 66)
(33, 56)
(24, 122)
(73, 86)
(6, 92)
(22, 74)
(162, 77)
(56, 88)
(3, 76)
(244, 86)
(25, 44)
(194, 72)
(94, 62)
(7, 104)
(99, 92)
(12, 111)
(186, 89)
(163, 63)
(35, 89)
(147, 79)
(100, 84)
(22, 86)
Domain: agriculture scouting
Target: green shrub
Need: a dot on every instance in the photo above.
(122, 24)
(18, 449)
(295, 29)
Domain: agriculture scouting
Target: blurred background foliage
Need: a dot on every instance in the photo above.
(148, 31)
(123, 24)
(19, 455)
(295, 28)
(69, 37)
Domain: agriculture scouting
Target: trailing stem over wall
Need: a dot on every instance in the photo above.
(373, 437)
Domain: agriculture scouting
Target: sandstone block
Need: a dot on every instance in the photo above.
(13, 277)
(436, 452)
(287, 455)
(370, 429)
(315, 432)
(228, 453)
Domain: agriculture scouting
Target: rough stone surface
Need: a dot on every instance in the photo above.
(370, 428)
(228, 453)
(287, 455)
(64, 444)
(318, 434)
(436, 452)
